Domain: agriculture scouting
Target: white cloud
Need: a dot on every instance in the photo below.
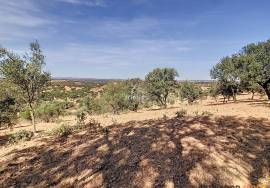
(24, 13)
(21, 20)
(91, 3)
(129, 53)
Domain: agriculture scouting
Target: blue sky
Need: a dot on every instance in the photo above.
(128, 38)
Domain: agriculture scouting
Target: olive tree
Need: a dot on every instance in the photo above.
(160, 83)
(227, 73)
(26, 72)
(256, 64)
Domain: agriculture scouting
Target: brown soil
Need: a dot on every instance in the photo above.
(194, 151)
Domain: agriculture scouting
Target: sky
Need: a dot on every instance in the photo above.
(128, 38)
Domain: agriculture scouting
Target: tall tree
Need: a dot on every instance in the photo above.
(227, 73)
(256, 64)
(160, 83)
(27, 73)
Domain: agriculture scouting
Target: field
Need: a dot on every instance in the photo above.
(214, 144)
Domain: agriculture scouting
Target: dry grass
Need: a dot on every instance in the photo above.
(194, 151)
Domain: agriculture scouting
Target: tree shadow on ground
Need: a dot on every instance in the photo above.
(180, 152)
(254, 102)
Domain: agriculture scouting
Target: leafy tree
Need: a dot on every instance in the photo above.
(256, 64)
(251, 87)
(227, 74)
(190, 92)
(26, 72)
(160, 83)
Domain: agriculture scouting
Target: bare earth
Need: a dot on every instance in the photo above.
(146, 149)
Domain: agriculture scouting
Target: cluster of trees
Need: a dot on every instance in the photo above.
(26, 80)
(159, 88)
(31, 96)
(248, 70)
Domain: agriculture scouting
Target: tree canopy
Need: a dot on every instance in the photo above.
(160, 83)
(26, 72)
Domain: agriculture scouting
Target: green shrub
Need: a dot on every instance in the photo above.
(51, 111)
(8, 112)
(81, 117)
(181, 113)
(62, 131)
(22, 135)
(92, 105)
(190, 92)
(92, 123)
(25, 114)
(116, 96)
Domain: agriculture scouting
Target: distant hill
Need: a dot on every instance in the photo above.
(85, 79)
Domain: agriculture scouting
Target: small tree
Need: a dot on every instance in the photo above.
(190, 92)
(115, 94)
(160, 83)
(135, 93)
(27, 73)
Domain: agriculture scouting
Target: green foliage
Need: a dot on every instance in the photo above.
(214, 90)
(22, 135)
(26, 73)
(160, 83)
(8, 112)
(225, 89)
(248, 67)
(81, 117)
(61, 131)
(25, 114)
(93, 105)
(52, 94)
(92, 123)
(116, 96)
(190, 92)
(135, 93)
(49, 111)
(227, 74)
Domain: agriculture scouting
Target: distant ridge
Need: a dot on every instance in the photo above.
(116, 79)
(84, 79)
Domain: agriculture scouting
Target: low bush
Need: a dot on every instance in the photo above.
(91, 124)
(81, 117)
(62, 131)
(50, 111)
(93, 105)
(22, 135)
(190, 92)
(8, 112)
